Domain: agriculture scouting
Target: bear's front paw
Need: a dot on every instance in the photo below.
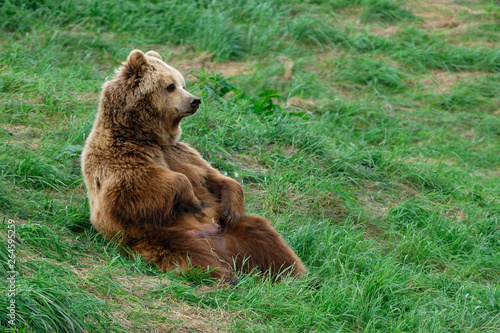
(231, 215)
(193, 208)
(232, 201)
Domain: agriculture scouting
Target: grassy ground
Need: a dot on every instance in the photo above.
(367, 131)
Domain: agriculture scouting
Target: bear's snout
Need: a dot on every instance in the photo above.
(194, 103)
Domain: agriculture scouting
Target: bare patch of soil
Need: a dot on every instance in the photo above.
(173, 315)
(287, 68)
(246, 162)
(443, 80)
(26, 136)
(306, 105)
(21, 130)
(384, 31)
(196, 320)
(286, 150)
(88, 98)
(457, 214)
(428, 160)
(379, 198)
(326, 204)
(443, 15)
(205, 60)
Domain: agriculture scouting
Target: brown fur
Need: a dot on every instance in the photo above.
(165, 200)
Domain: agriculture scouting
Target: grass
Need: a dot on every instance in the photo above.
(385, 11)
(367, 131)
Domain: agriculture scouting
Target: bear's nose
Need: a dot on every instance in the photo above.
(195, 103)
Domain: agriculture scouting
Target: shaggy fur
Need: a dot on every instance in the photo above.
(160, 195)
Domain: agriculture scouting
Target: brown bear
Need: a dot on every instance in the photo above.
(157, 194)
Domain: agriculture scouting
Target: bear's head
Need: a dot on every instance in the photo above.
(148, 93)
(152, 77)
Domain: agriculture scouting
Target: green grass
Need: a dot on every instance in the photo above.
(368, 132)
(385, 11)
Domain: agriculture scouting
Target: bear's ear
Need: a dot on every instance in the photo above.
(154, 54)
(137, 61)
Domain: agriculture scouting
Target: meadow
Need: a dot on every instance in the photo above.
(368, 131)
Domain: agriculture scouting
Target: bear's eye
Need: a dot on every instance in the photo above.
(171, 87)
